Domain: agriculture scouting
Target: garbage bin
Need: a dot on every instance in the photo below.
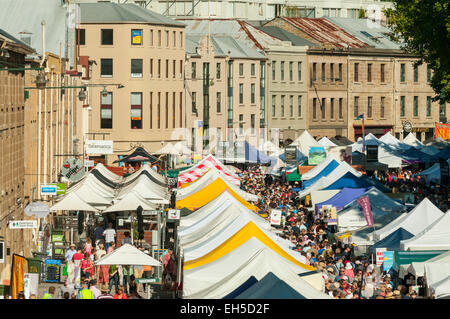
(4, 289)
(35, 266)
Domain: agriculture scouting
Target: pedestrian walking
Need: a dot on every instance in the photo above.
(110, 236)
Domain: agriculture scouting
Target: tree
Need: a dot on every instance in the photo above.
(423, 28)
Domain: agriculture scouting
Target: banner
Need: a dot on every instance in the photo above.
(365, 204)
(290, 154)
(340, 153)
(332, 216)
(52, 270)
(388, 260)
(136, 37)
(442, 130)
(99, 147)
(275, 217)
(17, 273)
(316, 155)
(379, 255)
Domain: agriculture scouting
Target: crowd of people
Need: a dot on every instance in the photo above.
(346, 276)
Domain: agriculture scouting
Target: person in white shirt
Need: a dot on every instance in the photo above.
(110, 235)
(94, 289)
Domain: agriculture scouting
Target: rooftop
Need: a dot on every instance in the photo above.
(284, 35)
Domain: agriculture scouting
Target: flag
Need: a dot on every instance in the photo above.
(365, 204)
(200, 128)
(360, 117)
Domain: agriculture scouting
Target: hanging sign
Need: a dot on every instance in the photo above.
(48, 190)
(99, 147)
(22, 224)
(37, 209)
(173, 214)
(73, 169)
(52, 270)
(379, 255)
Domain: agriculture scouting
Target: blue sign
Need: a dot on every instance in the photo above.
(388, 260)
(52, 270)
(49, 189)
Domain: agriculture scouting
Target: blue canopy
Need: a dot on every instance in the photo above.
(253, 155)
(351, 181)
(324, 172)
(345, 196)
(445, 153)
(247, 284)
(417, 154)
(300, 156)
(392, 242)
(270, 287)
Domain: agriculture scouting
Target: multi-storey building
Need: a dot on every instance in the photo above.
(133, 60)
(12, 151)
(223, 90)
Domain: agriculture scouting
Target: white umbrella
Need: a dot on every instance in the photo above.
(73, 202)
(127, 255)
(131, 201)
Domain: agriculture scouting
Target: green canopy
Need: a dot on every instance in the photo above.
(408, 257)
(294, 177)
(173, 173)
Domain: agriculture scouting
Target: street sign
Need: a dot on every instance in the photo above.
(275, 217)
(48, 190)
(146, 280)
(73, 169)
(173, 214)
(99, 147)
(22, 224)
(37, 209)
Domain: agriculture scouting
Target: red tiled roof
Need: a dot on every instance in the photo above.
(324, 31)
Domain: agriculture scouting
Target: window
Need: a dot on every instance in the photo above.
(416, 73)
(356, 75)
(106, 68)
(173, 110)
(194, 70)
(181, 39)
(382, 107)
(252, 69)
(282, 70)
(402, 106)
(136, 68)
(369, 106)
(355, 107)
(241, 124)
(181, 109)
(136, 110)
(314, 72)
(194, 102)
(167, 109)
(252, 123)
(167, 69)
(159, 110)
(332, 108)
(291, 71)
(151, 37)
(107, 36)
(106, 110)
(252, 96)
(314, 108)
(159, 68)
(151, 110)
(159, 38)
(382, 73)
(428, 106)
(174, 39)
(218, 71)
(340, 72)
(273, 105)
(442, 109)
(299, 71)
(323, 72)
(167, 38)
(291, 106)
(241, 93)
(416, 106)
(299, 106)
(332, 72)
(323, 106)
(136, 37)
(341, 115)
(402, 72)
(174, 68)
(151, 68)
(218, 99)
(282, 106)
(181, 69)
(428, 73)
(241, 68)
(81, 40)
(369, 72)
(273, 70)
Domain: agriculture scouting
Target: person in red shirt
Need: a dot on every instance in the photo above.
(77, 258)
(119, 294)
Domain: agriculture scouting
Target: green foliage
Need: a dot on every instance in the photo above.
(362, 13)
(423, 26)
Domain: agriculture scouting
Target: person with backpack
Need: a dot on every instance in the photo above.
(85, 292)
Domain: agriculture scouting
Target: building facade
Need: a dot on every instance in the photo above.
(138, 100)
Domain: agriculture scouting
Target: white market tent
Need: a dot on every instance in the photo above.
(72, 202)
(222, 276)
(441, 288)
(131, 201)
(419, 218)
(148, 169)
(108, 174)
(325, 141)
(145, 188)
(411, 140)
(317, 169)
(127, 255)
(167, 149)
(326, 181)
(207, 179)
(418, 268)
(393, 142)
(91, 195)
(304, 142)
(384, 210)
(182, 149)
(433, 173)
(321, 196)
(386, 153)
(270, 148)
(435, 237)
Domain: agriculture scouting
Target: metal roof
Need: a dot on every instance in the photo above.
(286, 36)
(239, 30)
(122, 13)
(326, 32)
(224, 45)
(367, 31)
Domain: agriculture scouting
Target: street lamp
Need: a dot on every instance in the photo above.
(105, 92)
(82, 95)
(41, 81)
